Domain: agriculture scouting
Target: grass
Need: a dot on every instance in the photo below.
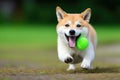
(108, 34)
(28, 34)
(45, 35)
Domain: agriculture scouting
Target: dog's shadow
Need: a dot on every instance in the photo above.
(98, 70)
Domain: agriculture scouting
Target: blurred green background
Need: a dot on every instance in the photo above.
(43, 11)
(28, 27)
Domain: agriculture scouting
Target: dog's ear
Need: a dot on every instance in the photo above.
(60, 13)
(86, 14)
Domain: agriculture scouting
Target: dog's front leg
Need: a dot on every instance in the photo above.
(64, 56)
(88, 57)
(64, 52)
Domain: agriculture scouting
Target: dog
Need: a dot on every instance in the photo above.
(69, 28)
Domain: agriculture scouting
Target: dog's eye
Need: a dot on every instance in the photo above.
(67, 25)
(78, 25)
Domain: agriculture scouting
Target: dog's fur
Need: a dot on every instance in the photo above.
(67, 52)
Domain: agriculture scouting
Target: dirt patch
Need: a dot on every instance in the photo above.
(46, 66)
(99, 76)
(113, 48)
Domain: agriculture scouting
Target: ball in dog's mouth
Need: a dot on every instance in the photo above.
(72, 40)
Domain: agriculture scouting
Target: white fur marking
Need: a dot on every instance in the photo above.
(77, 22)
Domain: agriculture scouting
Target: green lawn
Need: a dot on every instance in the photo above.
(108, 34)
(45, 35)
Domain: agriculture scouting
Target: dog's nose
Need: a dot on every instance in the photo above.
(72, 32)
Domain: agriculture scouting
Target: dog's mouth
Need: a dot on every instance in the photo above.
(72, 40)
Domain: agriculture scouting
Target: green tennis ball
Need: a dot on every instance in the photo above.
(82, 43)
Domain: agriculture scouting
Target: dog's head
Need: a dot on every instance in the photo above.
(72, 26)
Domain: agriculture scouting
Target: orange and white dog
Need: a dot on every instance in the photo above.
(69, 28)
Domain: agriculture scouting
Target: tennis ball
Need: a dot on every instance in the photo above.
(82, 43)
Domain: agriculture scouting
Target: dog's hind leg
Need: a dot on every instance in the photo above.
(71, 67)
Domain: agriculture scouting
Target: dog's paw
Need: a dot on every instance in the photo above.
(86, 65)
(68, 60)
(71, 69)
